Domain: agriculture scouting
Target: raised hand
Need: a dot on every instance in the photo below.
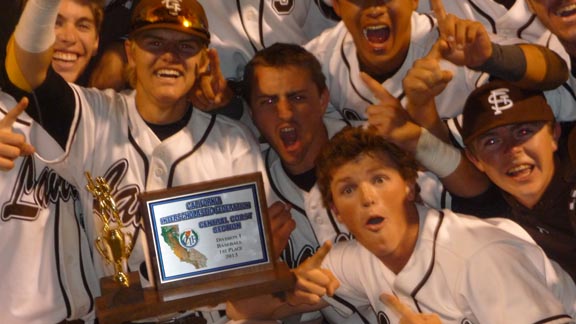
(389, 118)
(211, 89)
(407, 316)
(12, 145)
(462, 42)
(313, 282)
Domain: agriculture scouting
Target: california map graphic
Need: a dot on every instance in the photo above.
(173, 238)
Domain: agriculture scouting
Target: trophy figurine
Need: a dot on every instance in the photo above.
(113, 244)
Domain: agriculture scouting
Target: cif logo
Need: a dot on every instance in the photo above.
(500, 100)
(188, 238)
(174, 6)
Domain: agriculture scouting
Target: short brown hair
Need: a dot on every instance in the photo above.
(283, 55)
(97, 9)
(349, 144)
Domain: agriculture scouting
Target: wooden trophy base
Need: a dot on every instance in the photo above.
(118, 304)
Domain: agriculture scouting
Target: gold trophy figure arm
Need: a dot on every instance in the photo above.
(101, 246)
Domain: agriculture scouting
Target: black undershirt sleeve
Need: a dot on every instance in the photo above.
(489, 204)
(52, 106)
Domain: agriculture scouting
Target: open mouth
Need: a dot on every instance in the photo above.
(520, 171)
(374, 223)
(377, 35)
(288, 136)
(566, 11)
(168, 73)
(65, 56)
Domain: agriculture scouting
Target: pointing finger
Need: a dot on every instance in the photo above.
(438, 9)
(397, 305)
(376, 88)
(13, 114)
(315, 261)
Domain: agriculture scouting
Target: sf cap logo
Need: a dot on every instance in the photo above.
(500, 100)
(174, 6)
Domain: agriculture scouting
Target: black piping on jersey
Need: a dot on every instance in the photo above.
(568, 88)
(431, 265)
(345, 60)
(351, 307)
(260, 19)
(292, 204)
(525, 26)
(553, 319)
(142, 155)
(451, 136)
(57, 259)
(277, 191)
(485, 15)
(196, 147)
(18, 120)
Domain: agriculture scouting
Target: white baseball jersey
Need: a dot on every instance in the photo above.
(240, 28)
(46, 269)
(516, 22)
(316, 224)
(109, 138)
(336, 51)
(465, 270)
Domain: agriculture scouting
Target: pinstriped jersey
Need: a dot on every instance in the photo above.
(239, 28)
(464, 269)
(316, 224)
(336, 52)
(349, 97)
(516, 22)
(46, 269)
(108, 138)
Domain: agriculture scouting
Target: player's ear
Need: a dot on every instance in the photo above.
(336, 6)
(324, 99)
(556, 132)
(474, 159)
(129, 48)
(335, 212)
(203, 66)
(411, 191)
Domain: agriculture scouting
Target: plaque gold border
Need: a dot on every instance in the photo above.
(204, 188)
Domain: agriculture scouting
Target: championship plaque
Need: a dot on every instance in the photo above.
(207, 235)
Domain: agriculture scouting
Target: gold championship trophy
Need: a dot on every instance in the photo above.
(113, 244)
(208, 243)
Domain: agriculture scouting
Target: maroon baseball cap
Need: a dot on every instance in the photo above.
(500, 103)
(186, 16)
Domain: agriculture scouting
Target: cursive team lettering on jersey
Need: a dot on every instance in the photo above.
(31, 194)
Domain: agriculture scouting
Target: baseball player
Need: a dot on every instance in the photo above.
(496, 274)
(558, 18)
(286, 92)
(508, 18)
(511, 135)
(368, 40)
(47, 269)
(145, 140)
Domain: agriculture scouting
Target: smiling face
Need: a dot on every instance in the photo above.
(518, 158)
(76, 39)
(380, 29)
(560, 17)
(376, 204)
(166, 64)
